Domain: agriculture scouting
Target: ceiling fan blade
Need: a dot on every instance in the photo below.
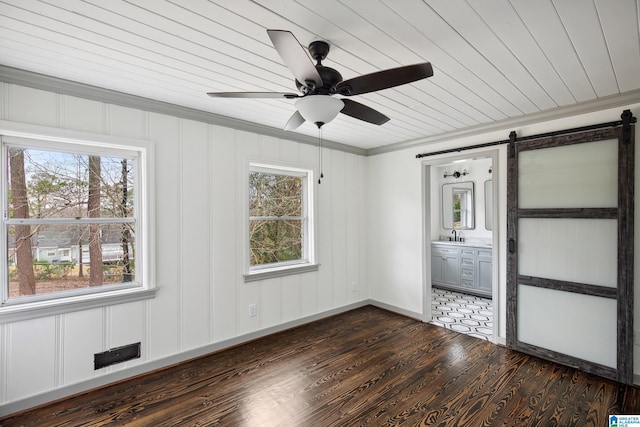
(295, 57)
(294, 121)
(384, 79)
(252, 95)
(362, 112)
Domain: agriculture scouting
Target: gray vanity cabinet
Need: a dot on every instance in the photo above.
(461, 268)
(484, 267)
(444, 265)
(467, 268)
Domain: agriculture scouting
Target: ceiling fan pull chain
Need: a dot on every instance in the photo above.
(320, 153)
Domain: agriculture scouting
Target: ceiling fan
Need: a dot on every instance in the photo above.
(318, 83)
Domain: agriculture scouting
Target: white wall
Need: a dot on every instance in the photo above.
(397, 249)
(394, 217)
(202, 299)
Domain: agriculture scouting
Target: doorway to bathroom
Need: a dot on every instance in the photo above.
(460, 274)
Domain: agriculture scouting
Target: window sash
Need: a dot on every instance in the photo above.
(45, 221)
(88, 148)
(64, 145)
(277, 250)
(277, 218)
(305, 218)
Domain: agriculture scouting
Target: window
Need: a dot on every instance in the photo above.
(72, 221)
(280, 220)
(459, 208)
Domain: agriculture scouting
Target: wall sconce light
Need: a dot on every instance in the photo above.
(456, 174)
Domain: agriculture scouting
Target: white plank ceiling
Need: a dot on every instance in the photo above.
(492, 59)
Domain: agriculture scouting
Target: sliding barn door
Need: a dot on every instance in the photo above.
(570, 254)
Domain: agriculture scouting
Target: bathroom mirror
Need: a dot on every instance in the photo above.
(488, 204)
(458, 206)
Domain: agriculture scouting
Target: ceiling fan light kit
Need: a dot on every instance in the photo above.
(319, 109)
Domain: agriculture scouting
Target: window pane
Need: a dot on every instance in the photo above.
(61, 257)
(457, 208)
(49, 184)
(274, 195)
(274, 241)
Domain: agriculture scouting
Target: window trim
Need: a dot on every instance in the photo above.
(24, 308)
(308, 262)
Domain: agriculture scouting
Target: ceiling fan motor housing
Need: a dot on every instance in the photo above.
(319, 50)
(330, 78)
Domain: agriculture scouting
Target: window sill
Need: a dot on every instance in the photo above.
(53, 307)
(271, 273)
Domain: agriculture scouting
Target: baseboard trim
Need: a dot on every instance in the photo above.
(165, 362)
(162, 363)
(397, 310)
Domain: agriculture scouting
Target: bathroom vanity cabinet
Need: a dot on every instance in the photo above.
(461, 268)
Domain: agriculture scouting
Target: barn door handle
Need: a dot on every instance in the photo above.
(512, 246)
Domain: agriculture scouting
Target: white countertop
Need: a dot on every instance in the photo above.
(473, 243)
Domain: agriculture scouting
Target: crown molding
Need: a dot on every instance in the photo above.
(604, 103)
(68, 87)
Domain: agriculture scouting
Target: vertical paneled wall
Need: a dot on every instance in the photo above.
(202, 298)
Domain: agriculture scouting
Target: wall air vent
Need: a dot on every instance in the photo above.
(116, 355)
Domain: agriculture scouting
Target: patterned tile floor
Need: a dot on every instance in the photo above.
(462, 313)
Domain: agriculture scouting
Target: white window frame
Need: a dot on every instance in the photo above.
(308, 261)
(56, 139)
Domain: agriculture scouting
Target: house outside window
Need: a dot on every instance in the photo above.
(280, 220)
(73, 219)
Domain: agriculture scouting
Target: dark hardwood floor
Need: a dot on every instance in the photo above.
(364, 367)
